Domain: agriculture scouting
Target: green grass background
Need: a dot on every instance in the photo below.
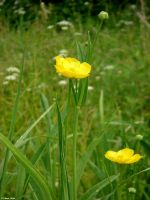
(118, 105)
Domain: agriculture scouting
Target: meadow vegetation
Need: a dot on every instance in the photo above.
(114, 116)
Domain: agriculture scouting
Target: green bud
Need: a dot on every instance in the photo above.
(103, 15)
(139, 137)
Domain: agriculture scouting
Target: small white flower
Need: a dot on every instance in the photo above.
(56, 184)
(109, 67)
(102, 73)
(65, 23)
(5, 82)
(12, 70)
(16, 2)
(20, 11)
(42, 85)
(97, 78)
(128, 23)
(124, 23)
(90, 88)
(133, 7)
(50, 27)
(62, 82)
(77, 33)
(2, 2)
(64, 28)
(63, 52)
(86, 3)
(29, 89)
(132, 190)
(11, 77)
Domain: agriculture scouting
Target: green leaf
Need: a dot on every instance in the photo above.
(98, 172)
(45, 191)
(85, 158)
(89, 49)
(146, 144)
(80, 51)
(34, 160)
(62, 159)
(82, 93)
(20, 181)
(20, 141)
(93, 191)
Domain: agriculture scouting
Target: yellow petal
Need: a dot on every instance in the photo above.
(126, 152)
(134, 159)
(85, 67)
(72, 68)
(111, 155)
(69, 59)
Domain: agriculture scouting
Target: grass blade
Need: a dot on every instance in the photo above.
(3, 167)
(92, 192)
(34, 160)
(37, 177)
(20, 141)
(62, 159)
(85, 158)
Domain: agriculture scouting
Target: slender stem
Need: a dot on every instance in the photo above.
(75, 154)
(97, 33)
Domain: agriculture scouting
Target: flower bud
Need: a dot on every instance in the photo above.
(103, 15)
(139, 137)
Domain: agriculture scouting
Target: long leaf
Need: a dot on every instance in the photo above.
(93, 191)
(37, 177)
(62, 159)
(34, 160)
(85, 158)
(3, 167)
(27, 132)
(23, 139)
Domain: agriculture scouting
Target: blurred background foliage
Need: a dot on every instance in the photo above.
(28, 11)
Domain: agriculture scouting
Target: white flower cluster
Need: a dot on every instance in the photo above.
(122, 23)
(20, 11)
(64, 25)
(109, 67)
(62, 82)
(2, 2)
(50, 27)
(132, 190)
(63, 52)
(90, 88)
(77, 34)
(12, 75)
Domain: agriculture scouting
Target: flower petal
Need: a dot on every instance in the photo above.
(111, 155)
(72, 68)
(126, 152)
(134, 159)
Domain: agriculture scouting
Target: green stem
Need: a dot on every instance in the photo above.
(74, 154)
(97, 33)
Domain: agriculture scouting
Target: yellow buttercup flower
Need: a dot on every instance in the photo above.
(124, 156)
(72, 68)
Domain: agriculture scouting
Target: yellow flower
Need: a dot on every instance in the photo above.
(72, 68)
(124, 156)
